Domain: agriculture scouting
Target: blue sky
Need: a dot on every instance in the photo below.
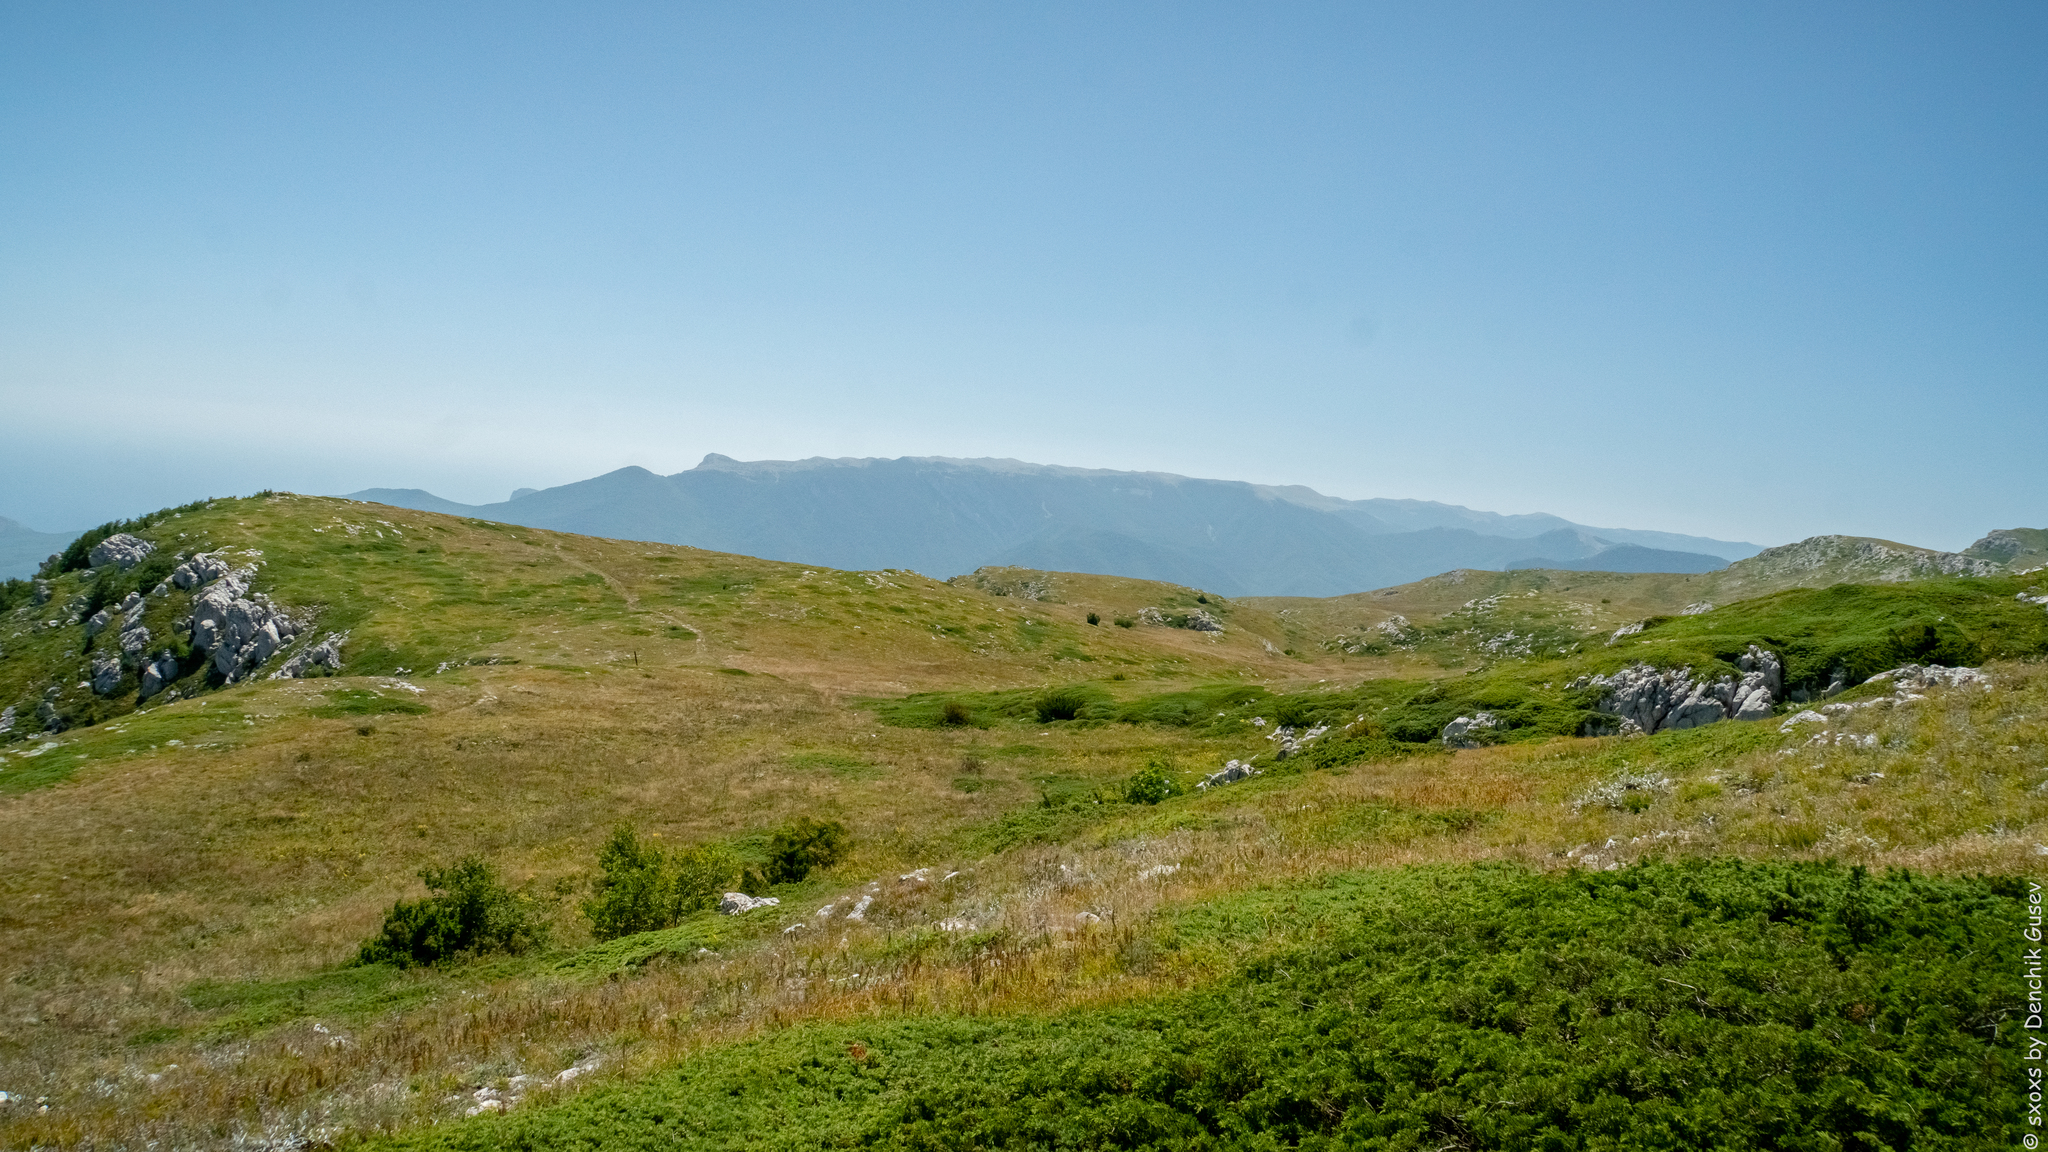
(1749, 271)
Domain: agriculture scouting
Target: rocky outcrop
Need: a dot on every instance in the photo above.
(1648, 700)
(121, 550)
(1459, 733)
(1232, 772)
(201, 569)
(106, 674)
(734, 903)
(236, 630)
(326, 654)
(6, 720)
(97, 622)
(158, 673)
(1201, 621)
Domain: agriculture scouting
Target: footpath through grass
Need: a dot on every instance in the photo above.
(1706, 1004)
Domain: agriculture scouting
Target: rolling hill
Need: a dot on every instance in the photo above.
(1037, 917)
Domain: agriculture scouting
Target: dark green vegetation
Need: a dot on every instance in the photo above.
(1708, 1004)
(76, 555)
(470, 913)
(803, 845)
(641, 888)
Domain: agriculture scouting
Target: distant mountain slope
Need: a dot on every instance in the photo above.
(1628, 558)
(943, 516)
(2016, 547)
(22, 548)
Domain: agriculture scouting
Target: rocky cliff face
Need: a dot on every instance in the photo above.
(1649, 700)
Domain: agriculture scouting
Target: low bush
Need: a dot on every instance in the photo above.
(640, 888)
(469, 913)
(1152, 784)
(802, 846)
(1710, 1004)
(1067, 703)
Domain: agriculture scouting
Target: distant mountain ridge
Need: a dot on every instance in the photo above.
(943, 516)
(22, 548)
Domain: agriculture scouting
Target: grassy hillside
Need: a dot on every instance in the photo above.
(183, 886)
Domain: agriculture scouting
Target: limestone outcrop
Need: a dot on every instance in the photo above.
(1459, 733)
(121, 550)
(1232, 772)
(1649, 700)
(237, 630)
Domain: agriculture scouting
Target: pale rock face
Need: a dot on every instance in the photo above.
(1232, 772)
(1924, 676)
(7, 719)
(325, 654)
(1659, 701)
(1201, 621)
(98, 622)
(42, 593)
(1459, 733)
(121, 550)
(157, 673)
(106, 674)
(734, 903)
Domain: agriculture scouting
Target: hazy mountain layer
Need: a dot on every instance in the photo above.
(942, 516)
(22, 548)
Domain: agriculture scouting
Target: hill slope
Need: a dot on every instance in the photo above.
(22, 548)
(942, 516)
(184, 884)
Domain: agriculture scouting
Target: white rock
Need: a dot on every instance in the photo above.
(1458, 733)
(121, 550)
(1232, 772)
(734, 903)
(1805, 716)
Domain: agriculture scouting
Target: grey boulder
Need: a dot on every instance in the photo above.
(121, 550)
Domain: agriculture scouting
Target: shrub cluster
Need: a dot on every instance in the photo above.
(1697, 1005)
(470, 912)
(640, 888)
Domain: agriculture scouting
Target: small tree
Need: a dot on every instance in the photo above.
(700, 874)
(634, 891)
(468, 913)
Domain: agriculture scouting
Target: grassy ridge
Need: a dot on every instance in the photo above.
(1704, 1004)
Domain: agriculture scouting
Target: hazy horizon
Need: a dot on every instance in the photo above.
(1736, 271)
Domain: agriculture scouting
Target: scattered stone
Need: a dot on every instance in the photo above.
(1232, 772)
(121, 550)
(1087, 918)
(1924, 676)
(1615, 793)
(734, 903)
(1291, 742)
(41, 596)
(1624, 630)
(325, 654)
(6, 720)
(98, 621)
(1699, 608)
(956, 924)
(1158, 870)
(106, 674)
(1805, 716)
(1201, 621)
(860, 909)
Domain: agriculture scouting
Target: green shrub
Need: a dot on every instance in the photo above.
(802, 845)
(1065, 703)
(1094, 618)
(1708, 1004)
(700, 875)
(468, 914)
(640, 888)
(633, 891)
(955, 714)
(1152, 784)
(1124, 622)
